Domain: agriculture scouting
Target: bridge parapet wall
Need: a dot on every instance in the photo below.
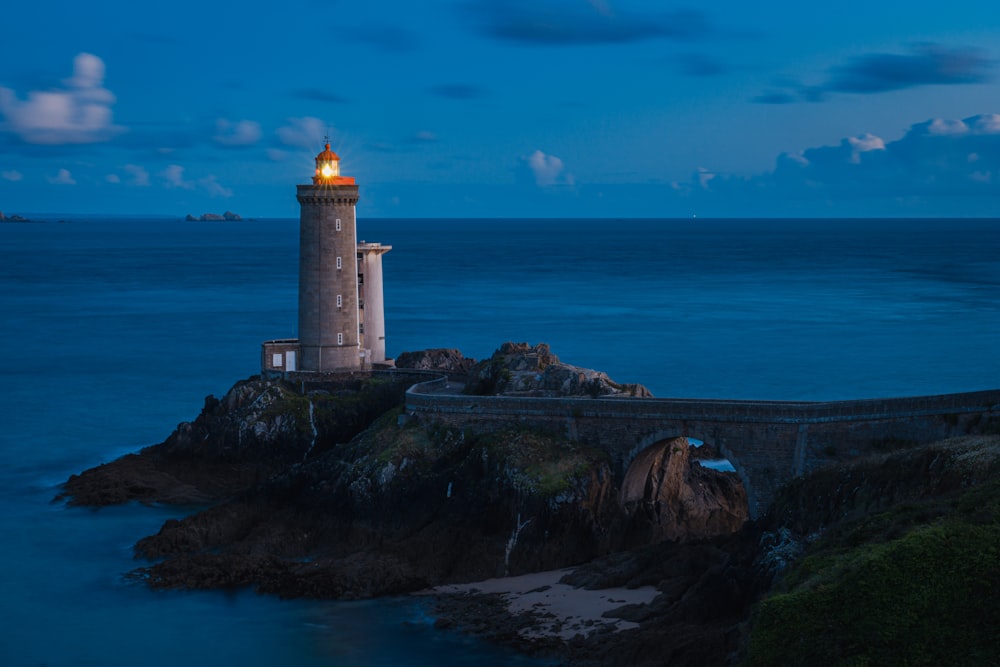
(768, 442)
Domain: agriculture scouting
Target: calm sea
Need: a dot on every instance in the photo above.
(114, 330)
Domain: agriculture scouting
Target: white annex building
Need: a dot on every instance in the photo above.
(341, 315)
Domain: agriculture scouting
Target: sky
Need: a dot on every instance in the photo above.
(504, 108)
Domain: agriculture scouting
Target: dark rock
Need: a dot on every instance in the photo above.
(518, 369)
(439, 359)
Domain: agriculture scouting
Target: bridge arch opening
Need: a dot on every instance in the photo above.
(669, 494)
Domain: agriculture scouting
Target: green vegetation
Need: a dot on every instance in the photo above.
(541, 463)
(916, 584)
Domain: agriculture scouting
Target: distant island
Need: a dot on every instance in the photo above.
(12, 218)
(213, 217)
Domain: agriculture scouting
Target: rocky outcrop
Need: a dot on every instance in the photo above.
(406, 506)
(258, 429)
(518, 369)
(214, 217)
(668, 498)
(445, 360)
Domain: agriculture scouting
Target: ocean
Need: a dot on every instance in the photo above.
(115, 329)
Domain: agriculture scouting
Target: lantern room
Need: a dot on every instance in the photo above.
(328, 169)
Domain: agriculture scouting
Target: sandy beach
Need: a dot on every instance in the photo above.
(558, 610)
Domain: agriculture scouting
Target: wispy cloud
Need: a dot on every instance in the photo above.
(173, 177)
(566, 22)
(79, 112)
(923, 65)
(236, 134)
(307, 132)
(12, 175)
(138, 176)
(926, 64)
(62, 177)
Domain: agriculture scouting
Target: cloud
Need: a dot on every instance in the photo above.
(548, 170)
(113, 178)
(568, 22)
(317, 95)
(11, 175)
(307, 132)
(424, 137)
(240, 133)
(139, 176)
(62, 177)
(934, 160)
(457, 91)
(925, 65)
(173, 177)
(78, 113)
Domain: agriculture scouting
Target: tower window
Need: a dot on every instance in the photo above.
(338, 224)
(340, 263)
(340, 301)
(340, 339)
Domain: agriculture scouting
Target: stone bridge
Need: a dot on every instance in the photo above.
(767, 442)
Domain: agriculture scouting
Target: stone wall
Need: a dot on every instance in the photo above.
(768, 442)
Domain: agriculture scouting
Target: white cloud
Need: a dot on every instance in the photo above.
(704, 177)
(305, 132)
(12, 175)
(945, 128)
(140, 177)
(210, 185)
(548, 170)
(240, 133)
(113, 178)
(988, 123)
(276, 154)
(62, 177)
(173, 176)
(935, 160)
(866, 142)
(78, 113)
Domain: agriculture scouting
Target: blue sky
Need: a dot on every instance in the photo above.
(497, 108)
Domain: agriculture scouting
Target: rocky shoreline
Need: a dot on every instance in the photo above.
(323, 491)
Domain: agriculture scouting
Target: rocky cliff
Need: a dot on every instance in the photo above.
(323, 491)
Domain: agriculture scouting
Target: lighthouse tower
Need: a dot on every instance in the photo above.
(329, 330)
(341, 316)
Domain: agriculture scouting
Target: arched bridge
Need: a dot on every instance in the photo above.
(768, 442)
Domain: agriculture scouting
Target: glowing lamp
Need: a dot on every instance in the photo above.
(327, 167)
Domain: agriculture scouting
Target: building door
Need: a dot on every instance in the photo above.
(290, 361)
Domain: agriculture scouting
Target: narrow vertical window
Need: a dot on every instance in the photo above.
(340, 264)
(338, 224)
(340, 339)
(340, 301)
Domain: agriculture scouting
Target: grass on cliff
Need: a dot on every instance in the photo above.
(917, 584)
(540, 463)
(537, 463)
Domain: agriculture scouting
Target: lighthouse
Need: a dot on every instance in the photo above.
(341, 321)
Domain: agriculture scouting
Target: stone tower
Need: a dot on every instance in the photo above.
(329, 331)
(341, 314)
